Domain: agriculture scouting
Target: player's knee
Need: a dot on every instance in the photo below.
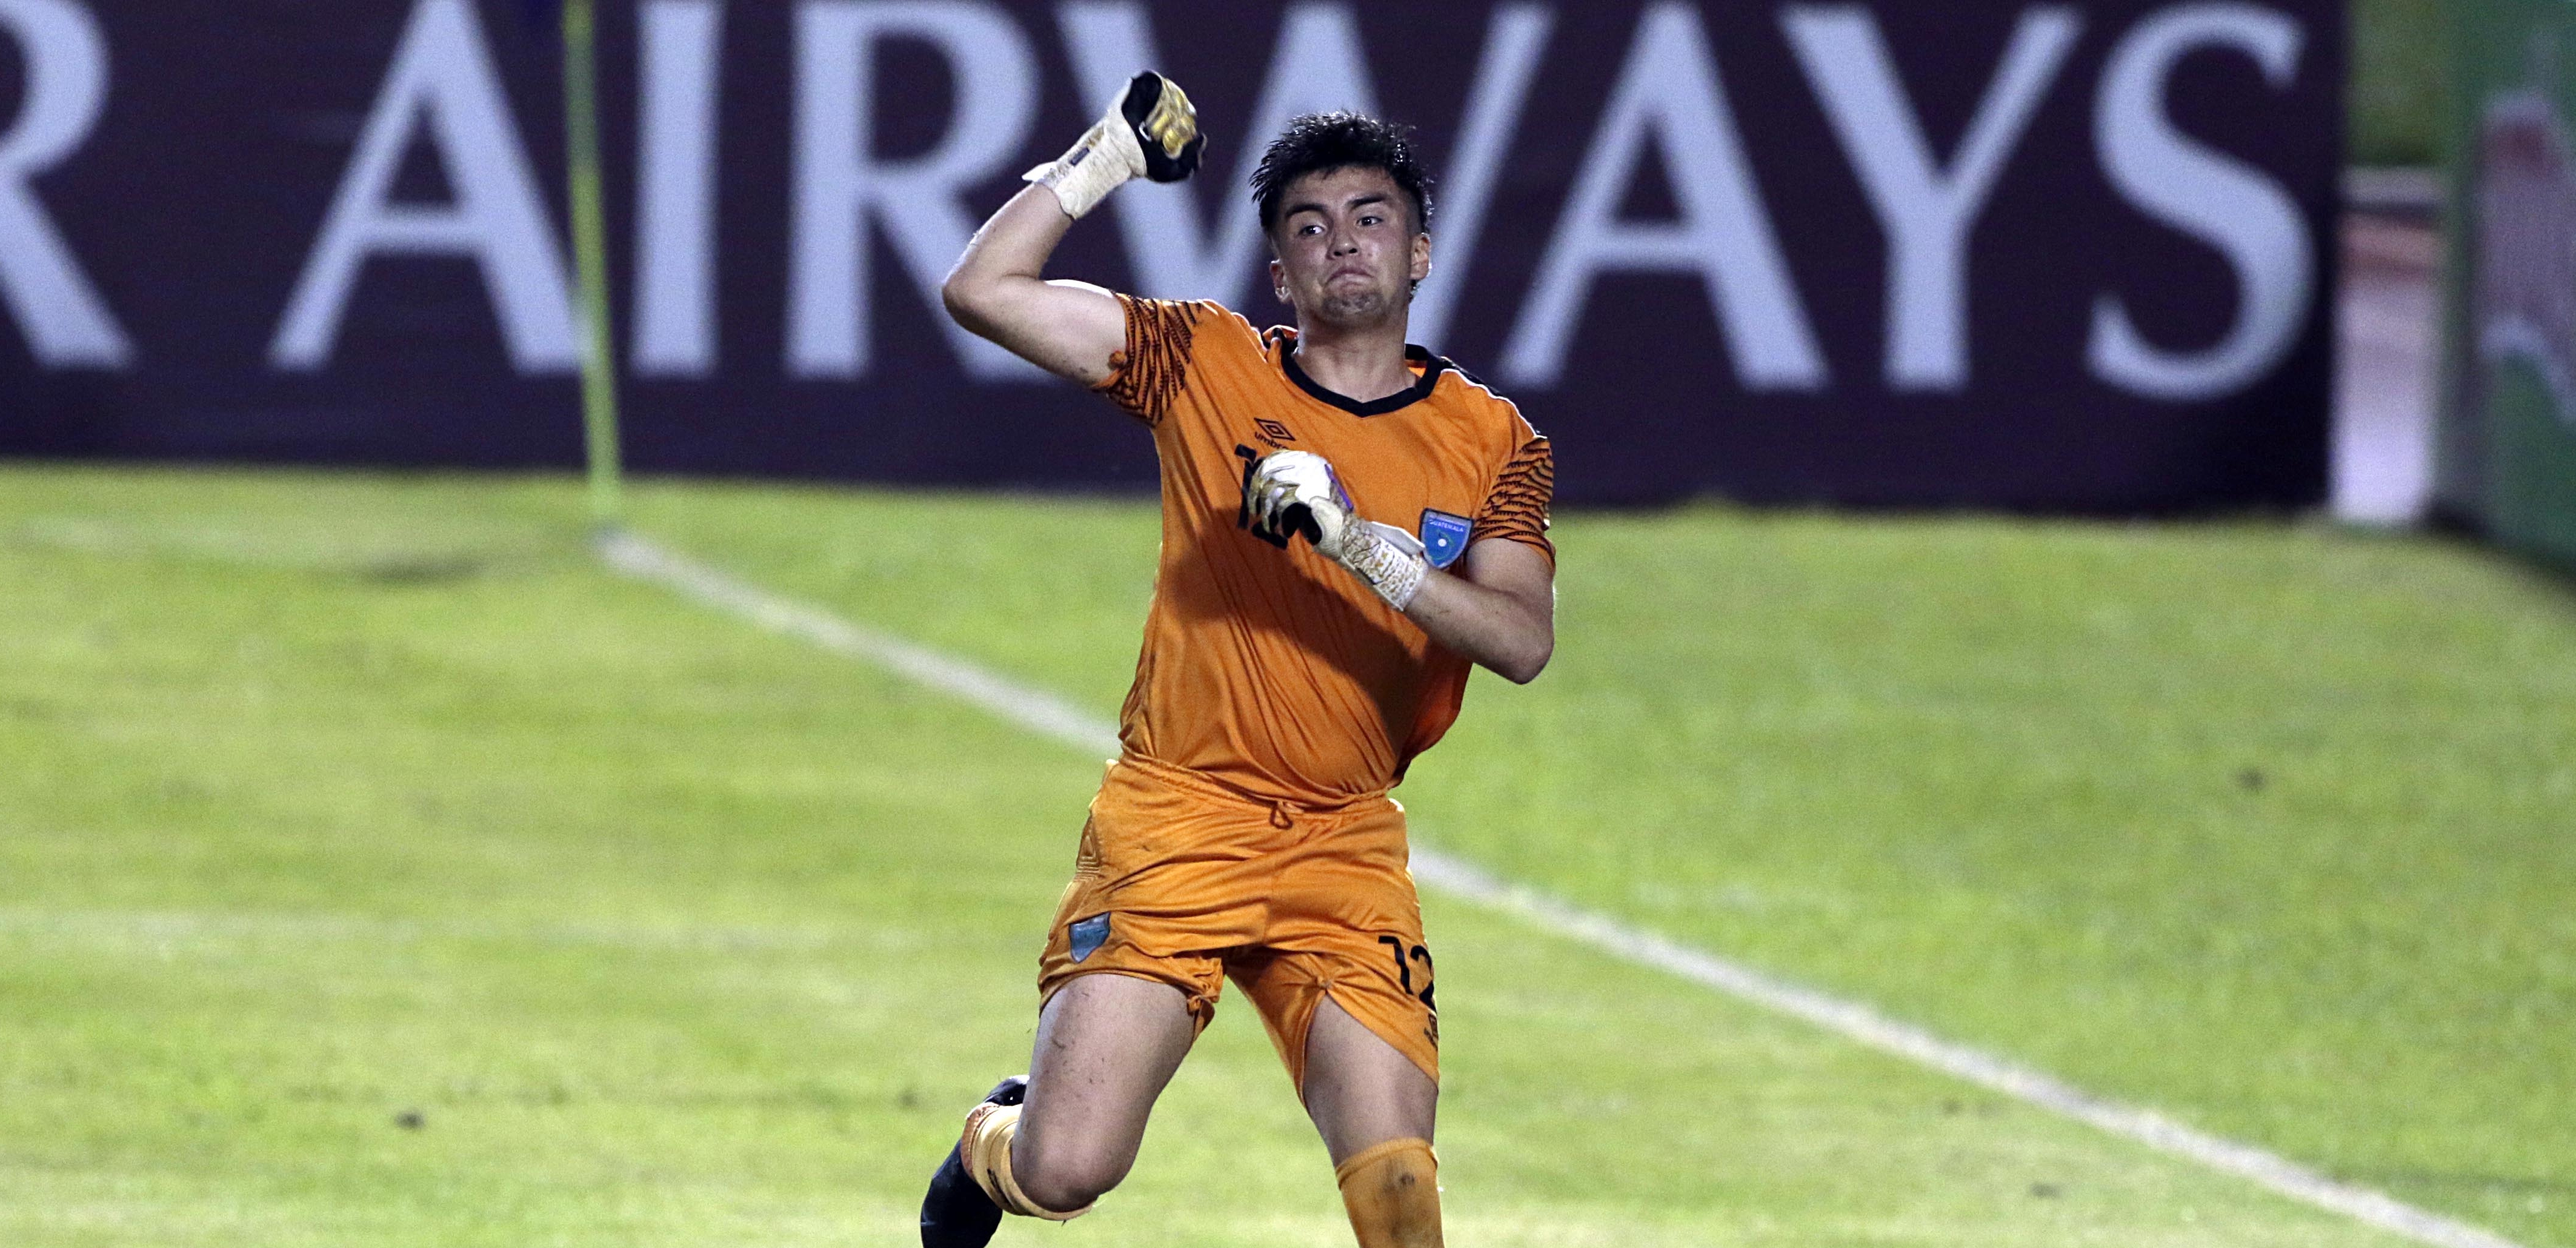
(1066, 1175)
(1393, 1194)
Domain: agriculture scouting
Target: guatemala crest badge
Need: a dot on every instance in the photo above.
(1444, 537)
(1086, 936)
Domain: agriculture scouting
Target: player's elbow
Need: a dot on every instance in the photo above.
(983, 301)
(1523, 666)
(967, 296)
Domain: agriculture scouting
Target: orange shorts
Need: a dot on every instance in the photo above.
(1184, 881)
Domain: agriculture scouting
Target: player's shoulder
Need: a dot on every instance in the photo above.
(1489, 409)
(1209, 317)
(1198, 321)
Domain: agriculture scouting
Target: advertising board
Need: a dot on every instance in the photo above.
(2027, 256)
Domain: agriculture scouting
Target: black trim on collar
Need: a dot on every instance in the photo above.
(1432, 367)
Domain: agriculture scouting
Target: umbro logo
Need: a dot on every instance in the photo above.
(1274, 433)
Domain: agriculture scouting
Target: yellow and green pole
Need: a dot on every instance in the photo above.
(590, 258)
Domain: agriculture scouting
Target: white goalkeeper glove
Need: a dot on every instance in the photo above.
(1297, 492)
(1149, 132)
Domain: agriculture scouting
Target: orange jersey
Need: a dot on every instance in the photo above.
(1270, 669)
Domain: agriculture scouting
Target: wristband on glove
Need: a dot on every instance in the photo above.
(1150, 132)
(1389, 559)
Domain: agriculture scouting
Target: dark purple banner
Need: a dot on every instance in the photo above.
(1980, 253)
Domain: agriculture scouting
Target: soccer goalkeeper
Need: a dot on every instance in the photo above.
(1348, 524)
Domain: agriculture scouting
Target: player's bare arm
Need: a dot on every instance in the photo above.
(1501, 614)
(1067, 328)
(999, 289)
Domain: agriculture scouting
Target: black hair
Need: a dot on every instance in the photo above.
(1323, 142)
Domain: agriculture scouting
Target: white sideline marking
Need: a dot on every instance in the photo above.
(1059, 720)
(1044, 714)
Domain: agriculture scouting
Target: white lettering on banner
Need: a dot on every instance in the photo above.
(1514, 39)
(841, 187)
(443, 87)
(1316, 67)
(1927, 212)
(675, 218)
(2233, 206)
(66, 323)
(1668, 97)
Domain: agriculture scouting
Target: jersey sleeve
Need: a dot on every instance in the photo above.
(1149, 371)
(1516, 508)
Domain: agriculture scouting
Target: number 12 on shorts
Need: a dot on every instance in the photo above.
(1404, 960)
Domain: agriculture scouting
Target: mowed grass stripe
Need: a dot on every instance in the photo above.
(1050, 716)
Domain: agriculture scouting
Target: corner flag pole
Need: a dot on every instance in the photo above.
(590, 258)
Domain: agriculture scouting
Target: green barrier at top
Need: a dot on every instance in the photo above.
(2507, 453)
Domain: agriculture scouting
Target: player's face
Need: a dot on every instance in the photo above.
(1348, 252)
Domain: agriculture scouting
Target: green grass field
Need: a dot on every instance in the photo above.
(375, 869)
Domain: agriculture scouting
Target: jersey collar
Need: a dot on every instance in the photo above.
(1432, 366)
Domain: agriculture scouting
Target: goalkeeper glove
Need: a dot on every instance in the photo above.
(1297, 491)
(1151, 132)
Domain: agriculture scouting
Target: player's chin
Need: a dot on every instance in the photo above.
(1350, 309)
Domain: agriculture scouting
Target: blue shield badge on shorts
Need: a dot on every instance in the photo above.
(1088, 935)
(1444, 537)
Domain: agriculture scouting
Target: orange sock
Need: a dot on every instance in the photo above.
(986, 1147)
(1393, 1193)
